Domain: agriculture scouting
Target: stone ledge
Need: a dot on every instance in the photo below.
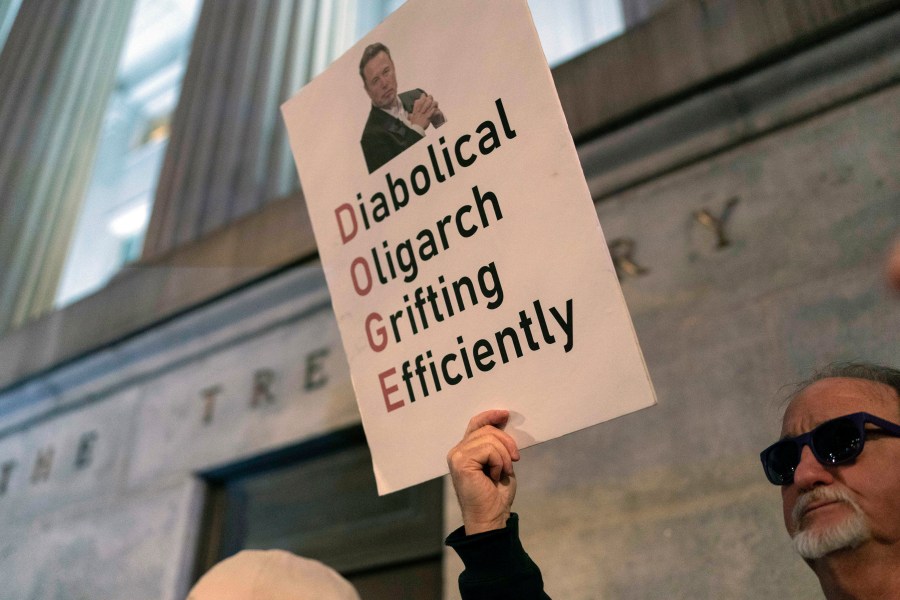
(861, 62)
(689, 46)
(151, 292)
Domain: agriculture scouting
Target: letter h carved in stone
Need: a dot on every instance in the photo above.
(5, 474)
(84, 456)
(42, 465)
(209, 396)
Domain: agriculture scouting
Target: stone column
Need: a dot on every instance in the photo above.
(228, 154)
(8, 9)
(57, 70)
(635, 11)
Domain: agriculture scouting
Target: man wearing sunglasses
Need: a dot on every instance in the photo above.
(837, 464)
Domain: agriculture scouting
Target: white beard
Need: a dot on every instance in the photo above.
(818, 541)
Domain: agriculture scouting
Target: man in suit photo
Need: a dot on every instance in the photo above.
(396, 121)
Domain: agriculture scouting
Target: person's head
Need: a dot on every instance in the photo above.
(377, 71)
(831, 508)
(271, 575)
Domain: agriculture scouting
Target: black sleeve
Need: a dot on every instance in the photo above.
(497, 567)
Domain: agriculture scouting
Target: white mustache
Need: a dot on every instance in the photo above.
(821, 494)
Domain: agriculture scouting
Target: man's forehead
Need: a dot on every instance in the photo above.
(377, 62)
(837, 396)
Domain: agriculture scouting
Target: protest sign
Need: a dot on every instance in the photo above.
(466, 266)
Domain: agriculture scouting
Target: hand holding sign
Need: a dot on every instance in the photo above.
(481, 465)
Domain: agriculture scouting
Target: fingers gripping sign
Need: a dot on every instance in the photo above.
(481, 466)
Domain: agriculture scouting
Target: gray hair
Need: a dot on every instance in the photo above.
(852, 370)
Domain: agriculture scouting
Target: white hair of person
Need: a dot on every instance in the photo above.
(271, 575)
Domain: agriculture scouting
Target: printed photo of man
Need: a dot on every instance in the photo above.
(396, 121)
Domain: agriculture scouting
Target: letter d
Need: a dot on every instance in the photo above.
(347, 209)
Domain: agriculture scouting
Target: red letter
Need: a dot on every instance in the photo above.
(379, 330)
(389, 390)
(362, 291)
(346, 237)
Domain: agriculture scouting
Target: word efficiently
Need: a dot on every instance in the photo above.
(429, 370)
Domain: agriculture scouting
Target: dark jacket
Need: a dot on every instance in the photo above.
(384, 136)
(497, 567)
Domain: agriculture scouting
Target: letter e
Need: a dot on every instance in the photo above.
(315, 373)
(387, 391)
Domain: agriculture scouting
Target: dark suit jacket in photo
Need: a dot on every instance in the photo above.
(385, 136)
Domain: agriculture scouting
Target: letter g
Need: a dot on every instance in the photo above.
(379, 331)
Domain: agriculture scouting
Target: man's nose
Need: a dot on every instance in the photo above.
(810, 472)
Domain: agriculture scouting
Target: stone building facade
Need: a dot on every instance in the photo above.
(743, 162)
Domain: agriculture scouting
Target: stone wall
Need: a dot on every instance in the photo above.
(111, 408)
(100, 474)
(671, 502)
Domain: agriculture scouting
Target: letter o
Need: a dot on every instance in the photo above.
(414, 178)
(361, 290)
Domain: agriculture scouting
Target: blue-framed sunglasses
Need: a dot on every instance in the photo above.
(833, 442)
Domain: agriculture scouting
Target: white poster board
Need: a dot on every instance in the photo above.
(469, 271)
